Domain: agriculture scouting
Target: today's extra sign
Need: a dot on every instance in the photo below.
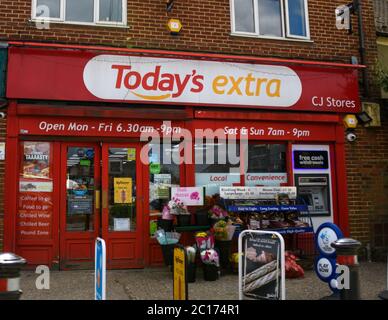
(73, 75)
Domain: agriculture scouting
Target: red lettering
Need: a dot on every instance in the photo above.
(167, 82)
(120, 73)
(181, 85)
(127, 82)
(197, 81)
(218, 178)
(154, 76)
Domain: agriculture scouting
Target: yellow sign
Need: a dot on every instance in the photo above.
(180, 284)
(131, 154)
(122, 190)
(174, 25)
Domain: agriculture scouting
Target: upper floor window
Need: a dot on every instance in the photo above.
(270, 18)
(108, 12)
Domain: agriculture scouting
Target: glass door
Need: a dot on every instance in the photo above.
(122, 202)
(80, 204)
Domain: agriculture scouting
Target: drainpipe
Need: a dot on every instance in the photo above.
(361, 36)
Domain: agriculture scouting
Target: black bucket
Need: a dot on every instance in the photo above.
(202, 218)
(225, 250)
(168, 254)
(184, 220)
(164, 224)
(210, 272)
(191, 272)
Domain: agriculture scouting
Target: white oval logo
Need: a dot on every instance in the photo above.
(325, 238)
(127, 78)
(324, 267)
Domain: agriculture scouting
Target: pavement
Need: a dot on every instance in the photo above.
(156, 284)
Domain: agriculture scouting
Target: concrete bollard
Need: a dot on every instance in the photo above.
(347, 249)
(10, 266)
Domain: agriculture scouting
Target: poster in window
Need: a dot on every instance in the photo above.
(36, 160)
(122, 190)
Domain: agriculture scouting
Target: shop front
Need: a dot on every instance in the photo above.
(96, 137)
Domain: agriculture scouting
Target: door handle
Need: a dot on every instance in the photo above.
(104, 199)
(97, 199)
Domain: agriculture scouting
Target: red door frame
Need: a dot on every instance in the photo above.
(75, 243)
(119, 242)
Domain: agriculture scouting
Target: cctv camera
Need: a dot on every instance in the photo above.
(2, 115)
(351, 137)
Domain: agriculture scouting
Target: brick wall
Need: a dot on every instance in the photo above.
(206, 28)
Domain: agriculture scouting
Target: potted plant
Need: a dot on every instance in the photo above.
(178, 209)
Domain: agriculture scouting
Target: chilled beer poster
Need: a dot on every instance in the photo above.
(261, 267)
(122, 190)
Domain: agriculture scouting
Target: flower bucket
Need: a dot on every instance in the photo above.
(210, 272)
(184, 220)
(168, 254)
(164, 224)
(202, 218)
(191, 272)
(225, 250)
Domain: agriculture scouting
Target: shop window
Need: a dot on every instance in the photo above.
(266, 165)
(270, 18)
(106, 12)
(164, 173)
(213, 166)
(122, 189)
(80, 189)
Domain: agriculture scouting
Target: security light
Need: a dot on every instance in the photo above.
(364, 118)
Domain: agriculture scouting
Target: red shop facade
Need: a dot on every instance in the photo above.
(78, 116)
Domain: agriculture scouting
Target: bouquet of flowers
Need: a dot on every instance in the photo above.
(223, 230)
(216, 212)
(177, 207)
(204, 240)
(211, 257)
(166, 214)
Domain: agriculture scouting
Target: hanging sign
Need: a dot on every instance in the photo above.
(261, 265)
(122, 190)
(100, 270)
(180, 277)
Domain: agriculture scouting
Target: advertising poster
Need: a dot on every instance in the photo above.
(122, 190)
(36, 160)
(261, 267)
(191, 196)
(34, 218)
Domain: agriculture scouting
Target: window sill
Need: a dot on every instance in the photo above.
(81, 24)
(271, 38)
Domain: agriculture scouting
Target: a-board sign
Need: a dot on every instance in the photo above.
(100, 270)
(238, 193)
(261, 265)
(315, 159)
(180, 277)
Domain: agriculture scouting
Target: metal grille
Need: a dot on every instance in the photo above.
(381, 15)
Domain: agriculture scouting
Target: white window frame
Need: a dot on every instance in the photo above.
(306, 20)
(96, 15)
(285, 23)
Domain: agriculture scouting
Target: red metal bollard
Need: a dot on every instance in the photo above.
(346, 249)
